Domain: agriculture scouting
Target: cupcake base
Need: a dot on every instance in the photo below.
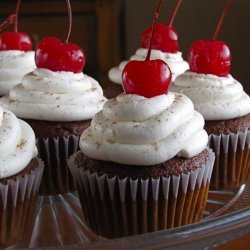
(232, 160)
(230, 140)
(231, 126)
(18, 198)
(56, 141)
(118, 204)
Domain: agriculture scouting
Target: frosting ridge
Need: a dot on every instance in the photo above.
(17, 145)
(135, 130)
(55, 96)
(14, 65)
(216, 98)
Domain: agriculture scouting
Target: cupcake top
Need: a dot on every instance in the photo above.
(174, 60)
(215, 97)
(17, 144)
(14, 64)
(135, 130)
(55, 96)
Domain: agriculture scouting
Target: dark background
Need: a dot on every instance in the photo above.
(110, 30)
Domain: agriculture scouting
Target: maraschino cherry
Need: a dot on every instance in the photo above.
(147, 78)
(166, 37)
(56, 55)
(211, 57)
(15, 40)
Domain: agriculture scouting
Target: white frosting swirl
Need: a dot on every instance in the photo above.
(17, 144)
(55, 96)
(216, 98)
(135, 130)
(14, 64)
(174, 60)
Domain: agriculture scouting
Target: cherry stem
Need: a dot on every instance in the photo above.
(10, 20)
(70, 19)
(178, 4)
(156, 17)
(17, 12)
(229, 2)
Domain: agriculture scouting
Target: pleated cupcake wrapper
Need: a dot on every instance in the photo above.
(17, 205)
(116, 207)
(232, 159)
(57, 178)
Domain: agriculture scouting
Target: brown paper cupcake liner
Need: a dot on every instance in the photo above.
(116, 207)
(232, 159)
(57, 179)
(18, 196)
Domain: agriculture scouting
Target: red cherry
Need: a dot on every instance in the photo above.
(56, 55)
(165, 38)
(210, 57)
(15, 41)
(146, 78)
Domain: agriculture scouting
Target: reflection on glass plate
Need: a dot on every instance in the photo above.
(60, 224)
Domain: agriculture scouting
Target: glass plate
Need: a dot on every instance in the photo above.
(60, 225)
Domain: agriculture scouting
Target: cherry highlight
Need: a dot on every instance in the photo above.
(229, 2)
(156, 17)
(175, 12)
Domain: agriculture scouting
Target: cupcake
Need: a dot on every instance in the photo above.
(225, 106)
(16, 55)
(143, 167)
(58, 101)
(164, 46)
(143, 164)
(20, 176)
(226, 109)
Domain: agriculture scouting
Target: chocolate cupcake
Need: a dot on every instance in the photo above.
(224, 105)
(59, 106)
(20, 177)
(58, 101)
(226, 109)
(143, 160)
(143, 165)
